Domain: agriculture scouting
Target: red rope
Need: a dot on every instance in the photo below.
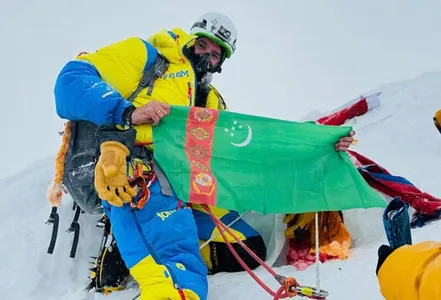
(143, 144)
(281, 292)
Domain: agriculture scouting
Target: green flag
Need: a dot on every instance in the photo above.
(242, 162)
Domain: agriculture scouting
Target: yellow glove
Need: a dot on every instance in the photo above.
(111, 181)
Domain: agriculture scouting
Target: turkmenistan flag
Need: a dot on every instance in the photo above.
(242, 162)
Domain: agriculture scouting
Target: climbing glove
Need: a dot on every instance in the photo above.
(111, 181)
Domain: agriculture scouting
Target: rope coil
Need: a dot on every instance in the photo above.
(55, 189)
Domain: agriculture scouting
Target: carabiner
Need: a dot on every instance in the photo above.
(311, 292)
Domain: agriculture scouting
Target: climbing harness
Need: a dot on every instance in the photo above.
(101, 281)
(141, 180)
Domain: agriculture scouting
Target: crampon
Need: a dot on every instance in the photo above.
(109, 272)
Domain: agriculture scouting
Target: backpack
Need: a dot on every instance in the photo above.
(82, 155)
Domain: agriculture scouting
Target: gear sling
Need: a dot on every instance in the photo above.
(78, 164)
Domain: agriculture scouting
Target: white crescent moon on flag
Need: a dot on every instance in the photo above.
(247, 140)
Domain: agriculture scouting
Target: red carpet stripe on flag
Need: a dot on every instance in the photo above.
(199, 136)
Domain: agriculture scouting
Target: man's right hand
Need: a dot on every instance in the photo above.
(150, 113)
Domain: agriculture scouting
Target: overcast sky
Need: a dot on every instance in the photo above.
(292, 56)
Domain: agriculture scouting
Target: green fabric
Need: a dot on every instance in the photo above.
(287, 167)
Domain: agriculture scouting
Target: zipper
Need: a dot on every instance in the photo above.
(191, 95)
(152, 252)
(189, 92)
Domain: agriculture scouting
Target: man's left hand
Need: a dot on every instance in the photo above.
(345, 142)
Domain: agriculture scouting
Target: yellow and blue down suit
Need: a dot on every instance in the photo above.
(94, 87)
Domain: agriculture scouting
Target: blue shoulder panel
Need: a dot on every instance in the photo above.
(152, 54)
(81, 94)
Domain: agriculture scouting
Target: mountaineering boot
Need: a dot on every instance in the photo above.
(109, 272)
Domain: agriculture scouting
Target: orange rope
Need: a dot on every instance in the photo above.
(54, 192)
(289, 286)
(284, 291)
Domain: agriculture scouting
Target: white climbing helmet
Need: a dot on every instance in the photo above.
(218, 27)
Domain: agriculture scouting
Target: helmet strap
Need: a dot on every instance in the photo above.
(218, 67)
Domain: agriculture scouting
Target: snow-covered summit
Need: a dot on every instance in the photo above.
(399, 134)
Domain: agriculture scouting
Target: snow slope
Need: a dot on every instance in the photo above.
(399, 135)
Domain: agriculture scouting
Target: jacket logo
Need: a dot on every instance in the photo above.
(176, 75)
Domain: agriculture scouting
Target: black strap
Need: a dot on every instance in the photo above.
(148, 78)
(164, 183)
(53, 219)
(75, 228)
